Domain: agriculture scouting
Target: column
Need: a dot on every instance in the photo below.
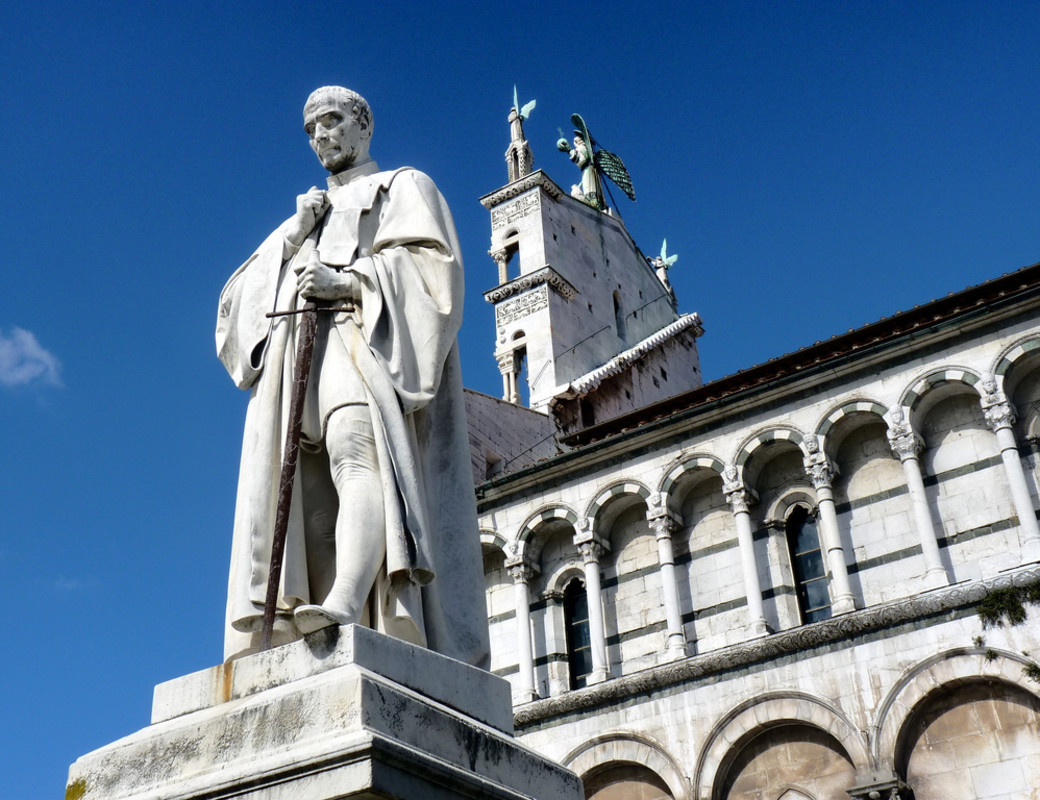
(663, 523)
(821, 473)
(521, 573)
(591, 548)
(1000, 417)
(739, 497)
(507, 366)
(502, 260)
(906, 446)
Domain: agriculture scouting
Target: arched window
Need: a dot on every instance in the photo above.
(810, 575)
(576, 620)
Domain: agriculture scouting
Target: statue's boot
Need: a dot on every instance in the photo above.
(310, 618)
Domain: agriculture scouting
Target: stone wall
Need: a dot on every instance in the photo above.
(907, 466)
(505, 436)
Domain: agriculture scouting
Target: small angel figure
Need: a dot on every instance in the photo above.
(661, 264)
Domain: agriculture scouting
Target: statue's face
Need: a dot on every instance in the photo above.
(335, 137)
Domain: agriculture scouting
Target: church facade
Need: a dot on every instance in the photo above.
(767, 586)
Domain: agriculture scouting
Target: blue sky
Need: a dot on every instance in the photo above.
(816, 166)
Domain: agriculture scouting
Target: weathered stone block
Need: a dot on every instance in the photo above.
(356, 715)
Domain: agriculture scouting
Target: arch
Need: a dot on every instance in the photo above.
(626, 747)
(847, 409)
(1014, 353)
(756, 440)
(777, 511)
(686, 465)
(942, 671)
(754, 716)
(911, 398)
(493, 539)
(614, 491)
(527, 544)
(557, 580)
(1020, 381)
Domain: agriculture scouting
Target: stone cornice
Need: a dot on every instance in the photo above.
(591, 380)
(518, 187)
(545, 275)
(774, 646)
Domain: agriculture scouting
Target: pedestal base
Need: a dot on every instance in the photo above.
(345, 713)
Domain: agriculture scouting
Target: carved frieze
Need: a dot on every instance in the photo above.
(539, 179)
(520, 208)
(545, 276)
(522, 305)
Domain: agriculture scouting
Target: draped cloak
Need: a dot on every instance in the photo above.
(394, 231)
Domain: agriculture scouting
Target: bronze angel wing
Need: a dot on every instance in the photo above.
(611, 165)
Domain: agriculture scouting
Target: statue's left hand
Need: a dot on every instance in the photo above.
(320, 282)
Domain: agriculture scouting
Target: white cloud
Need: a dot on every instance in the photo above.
(23, 360)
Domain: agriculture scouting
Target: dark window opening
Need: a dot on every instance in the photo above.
(512, 261)
(619, 319)
(579, 645)
(810, 575)
(588, 413)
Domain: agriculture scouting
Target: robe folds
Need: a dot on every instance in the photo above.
(394, 231)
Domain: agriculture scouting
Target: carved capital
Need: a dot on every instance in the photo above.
(904, 444)
(663, 526)
(998, 413)
(663, 521)
(819, 470)
(520, 573)
(739, 498)
(506, 362)
(590, 552)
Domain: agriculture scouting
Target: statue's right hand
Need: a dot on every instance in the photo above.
(309, 208)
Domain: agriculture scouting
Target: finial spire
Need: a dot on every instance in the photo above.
(518, 155)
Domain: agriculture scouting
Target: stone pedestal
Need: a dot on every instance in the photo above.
(345, 713)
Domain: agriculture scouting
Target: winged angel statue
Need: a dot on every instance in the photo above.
(593, 162)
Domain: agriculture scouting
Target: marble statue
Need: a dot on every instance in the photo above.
(382, 528)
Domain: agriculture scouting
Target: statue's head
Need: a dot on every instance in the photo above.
(338, 122)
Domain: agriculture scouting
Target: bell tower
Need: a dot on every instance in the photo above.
(577, 304)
